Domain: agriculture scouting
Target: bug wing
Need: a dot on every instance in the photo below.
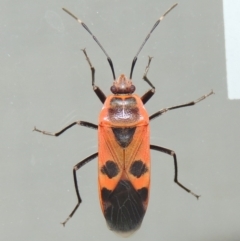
(122, 197)
(138, 163)
(110, 158)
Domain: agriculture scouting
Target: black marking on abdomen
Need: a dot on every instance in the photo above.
(110, 169)
(124, 136)
(123, 208)
(138, 168)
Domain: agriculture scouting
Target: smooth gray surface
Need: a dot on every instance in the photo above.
(45, 81)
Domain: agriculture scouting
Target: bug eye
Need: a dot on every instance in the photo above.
(113, 89)
(132, 88)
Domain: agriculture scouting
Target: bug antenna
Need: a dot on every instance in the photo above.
(148, 36)
(96, 40)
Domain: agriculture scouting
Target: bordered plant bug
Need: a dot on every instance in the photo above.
(124, 146)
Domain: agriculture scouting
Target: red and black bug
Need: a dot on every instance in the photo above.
(123, 146)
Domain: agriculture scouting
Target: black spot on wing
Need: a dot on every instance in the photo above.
(124, 136)
(105, 193)
(123, 209)
(143, 192)
(110, 169)
(138, 168)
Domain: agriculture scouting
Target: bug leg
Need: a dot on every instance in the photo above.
(81, 123)
(75, 168)
(172, 153)
(179, 106)
(96, 89)
(151, 92)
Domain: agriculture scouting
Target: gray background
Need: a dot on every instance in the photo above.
(45, 81)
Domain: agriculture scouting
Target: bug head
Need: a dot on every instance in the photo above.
(122, 85)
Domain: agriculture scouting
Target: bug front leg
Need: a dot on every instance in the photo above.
(75, 168)
(96, 89)
(172, 153)
(145, 98)
(81, 123)
(179, 106)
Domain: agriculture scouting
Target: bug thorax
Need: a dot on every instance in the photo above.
(122, 85)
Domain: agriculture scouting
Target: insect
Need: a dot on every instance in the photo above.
(123, 146)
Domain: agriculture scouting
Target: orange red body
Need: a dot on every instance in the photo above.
(123, 161)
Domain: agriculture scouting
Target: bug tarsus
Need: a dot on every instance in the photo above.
(146, 71)
(64, 223)
(47, 132)
(180, 185)
(202, 97)
(72, 213)
(197, 196)
(91, 66)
